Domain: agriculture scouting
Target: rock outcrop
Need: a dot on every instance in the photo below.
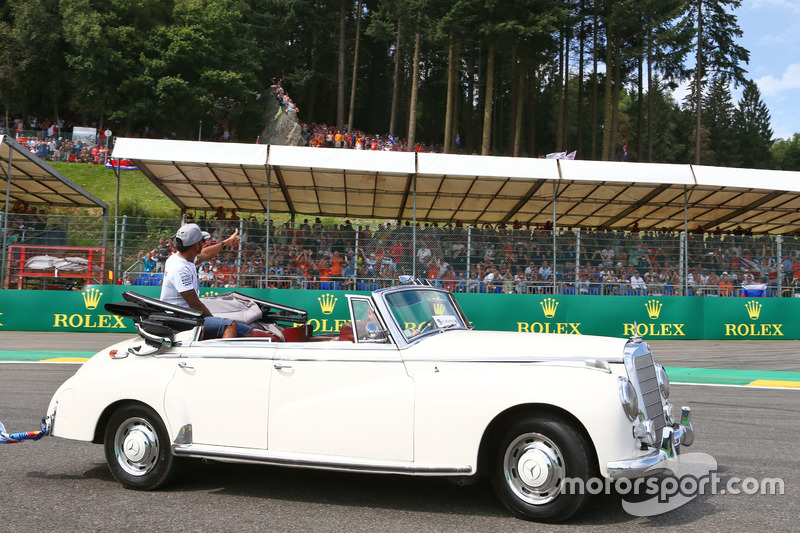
(280, 127)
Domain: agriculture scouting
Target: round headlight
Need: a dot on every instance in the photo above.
(629, 399)
(663, 381)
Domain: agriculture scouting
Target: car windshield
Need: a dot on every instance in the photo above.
(422, 310)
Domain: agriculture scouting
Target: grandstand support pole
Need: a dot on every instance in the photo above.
(414, 231)
(239, 255)
(5, 218)
(779, 266)
(469, 255)
(355, 256)
(555, 254)
(577, 258)
(686, 195)
(116, 221)
(122, 244)
(681, 277)
(267, 224)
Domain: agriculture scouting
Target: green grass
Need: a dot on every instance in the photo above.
(135, 189)
(138, 196)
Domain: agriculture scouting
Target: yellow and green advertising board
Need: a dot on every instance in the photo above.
(672, 317)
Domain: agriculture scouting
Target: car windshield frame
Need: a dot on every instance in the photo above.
(416, 312)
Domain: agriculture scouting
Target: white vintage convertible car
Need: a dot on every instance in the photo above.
(406, 387)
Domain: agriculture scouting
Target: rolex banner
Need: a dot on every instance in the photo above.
(671, 317)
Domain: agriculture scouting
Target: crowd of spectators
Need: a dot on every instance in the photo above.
(51, 140)
(516, 259)
(25, 224)
(320, 135)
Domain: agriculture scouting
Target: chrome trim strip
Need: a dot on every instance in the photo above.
(250, 457)
(527, 359)
(354, 357)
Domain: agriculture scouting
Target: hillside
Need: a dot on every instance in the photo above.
(137, 195)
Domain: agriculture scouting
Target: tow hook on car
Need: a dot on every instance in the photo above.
(13, 438)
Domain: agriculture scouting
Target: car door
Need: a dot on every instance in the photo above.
(339, 398)
(224, 386)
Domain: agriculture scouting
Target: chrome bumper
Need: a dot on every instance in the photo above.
(659, 460)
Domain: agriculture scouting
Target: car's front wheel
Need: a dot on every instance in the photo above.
(531, 460)
(137, 448)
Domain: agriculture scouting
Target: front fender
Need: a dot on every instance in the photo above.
(83, 401)
(457, 403)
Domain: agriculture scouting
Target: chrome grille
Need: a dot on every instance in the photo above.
(645, 378)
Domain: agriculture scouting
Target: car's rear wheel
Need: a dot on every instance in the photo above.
(137, 448)
(530, 462)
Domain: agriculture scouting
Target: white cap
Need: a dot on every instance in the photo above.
(190, 234)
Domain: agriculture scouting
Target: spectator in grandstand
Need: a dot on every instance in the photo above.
(206, 276)
(623, 285)
(461, 283)
(162, 253)
(423, 252)
(148, 263)
(725, 286)
(545, 271)
(638, 285)
(691, 283)
(584, 284)
(712, 284)
(520, 284)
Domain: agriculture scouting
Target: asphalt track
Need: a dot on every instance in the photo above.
(61, 485)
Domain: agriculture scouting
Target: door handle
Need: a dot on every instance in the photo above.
(279, 366)
(184, 365)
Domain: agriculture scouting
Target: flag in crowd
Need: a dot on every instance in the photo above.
(124, 164)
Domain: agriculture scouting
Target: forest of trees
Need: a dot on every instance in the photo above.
(501, 77)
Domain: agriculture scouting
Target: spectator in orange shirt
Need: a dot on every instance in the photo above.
(725, 286)
(336, 265)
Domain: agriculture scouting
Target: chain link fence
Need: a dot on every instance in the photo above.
(367, 256)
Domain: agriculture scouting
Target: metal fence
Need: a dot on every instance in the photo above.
(366, 256)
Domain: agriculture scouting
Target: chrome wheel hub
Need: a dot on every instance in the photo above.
(136, 446)
(534, 468)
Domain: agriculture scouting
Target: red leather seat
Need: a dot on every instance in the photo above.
(296, 333)
(267, 334)
(346, 333)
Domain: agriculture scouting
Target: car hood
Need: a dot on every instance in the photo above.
(473, 345)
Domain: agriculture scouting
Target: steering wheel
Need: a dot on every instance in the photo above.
(425, 327)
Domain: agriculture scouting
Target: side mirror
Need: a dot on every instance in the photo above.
(374, 332)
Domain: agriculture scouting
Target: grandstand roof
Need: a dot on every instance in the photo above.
(468, 188)
(36, 183)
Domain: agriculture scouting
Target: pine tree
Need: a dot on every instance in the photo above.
(718, 118)
(716, 31)
(751, 121)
